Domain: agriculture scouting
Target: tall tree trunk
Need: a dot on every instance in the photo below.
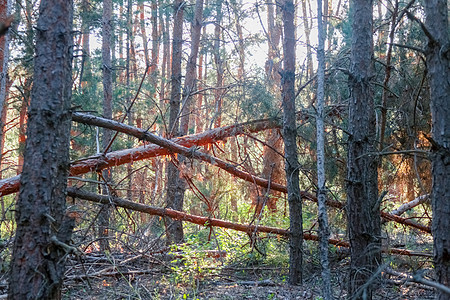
(155, 43)
(27, 83)
(37, 266)
(363, 207)
(128, 76)
(272, 160)
(190, 81)
(104, 214)
(324, 232)
(387, 76)
(290, 145)
(200, 116)
(175, 190)
(438, 65)
(26, 95)
(307, 28)
(85, 32)
(5, 11)
(142, 26)
(218, 93)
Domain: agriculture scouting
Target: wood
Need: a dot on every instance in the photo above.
(290, 144)
(117, 158)
(363, 204)
(38, 263)
(438, 68)
(206, 221)
(175, 183)
(93, 164)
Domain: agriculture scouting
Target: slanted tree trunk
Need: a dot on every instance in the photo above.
(438, 65)
(104, 214)
(37, 266)
(363, 208)
(175, 189)
(324, 231)
(290, 144)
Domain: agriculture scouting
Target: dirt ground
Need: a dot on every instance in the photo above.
(139, 277)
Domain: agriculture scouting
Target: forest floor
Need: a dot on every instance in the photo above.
(131, 276)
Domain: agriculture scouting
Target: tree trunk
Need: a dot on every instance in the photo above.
(85, 32)
(307, 28)
(5, 10)
(105, 211)
(324, 231)
(37, 266)
(175, 189)
(190, 81)
(438, 65)
(363, 207)
(272, 160)
(218, 93)
(290, 145)
(208, 221)
(387, 77)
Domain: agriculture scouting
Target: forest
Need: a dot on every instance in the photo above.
(211, 149)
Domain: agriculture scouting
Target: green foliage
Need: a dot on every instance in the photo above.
(258, 102)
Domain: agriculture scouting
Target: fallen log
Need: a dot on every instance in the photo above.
(411, 204)
(180, 145)
(206, 221)
(193, 153)
(174, 147)
(116, 158)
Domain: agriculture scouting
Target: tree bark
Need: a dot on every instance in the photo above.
(363, 206)
(98, 163)
(438, 65)
(85, 72)
(5, 10)
(387, 77)
(207, 221)
(105, 210)
(290, 145)
(37, 266)
(324, 231)
(190, 81)
(218, 61)
(175, 184)
(272, 160)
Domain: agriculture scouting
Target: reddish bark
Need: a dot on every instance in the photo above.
(206, 221)
(97, 163)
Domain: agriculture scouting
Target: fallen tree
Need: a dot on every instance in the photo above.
(180, 145)
(206, 221)
(409, 205)
(195, 154)
(116, 158)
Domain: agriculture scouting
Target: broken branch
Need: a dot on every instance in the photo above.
(205, 221)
